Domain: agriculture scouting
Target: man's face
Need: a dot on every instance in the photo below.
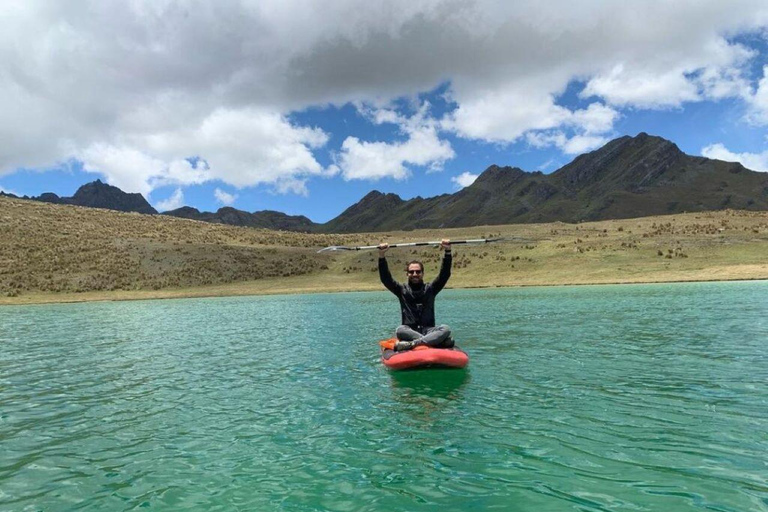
(415, 274)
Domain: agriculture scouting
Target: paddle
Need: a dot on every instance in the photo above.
(416, 244)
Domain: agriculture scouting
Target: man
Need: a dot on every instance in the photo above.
(417, 302)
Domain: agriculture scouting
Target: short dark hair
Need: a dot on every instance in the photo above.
(415, 261)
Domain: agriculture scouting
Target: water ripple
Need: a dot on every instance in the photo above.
(589, 398)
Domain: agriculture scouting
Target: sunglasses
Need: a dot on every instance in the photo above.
(413, 271)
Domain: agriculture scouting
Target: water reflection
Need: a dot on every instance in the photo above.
(434, 382)
(428, 398)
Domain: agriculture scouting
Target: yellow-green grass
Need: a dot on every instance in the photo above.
(58, 253)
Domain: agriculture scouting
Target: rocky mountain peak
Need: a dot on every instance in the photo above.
(100, 195)
(494, 174)
(634, 161)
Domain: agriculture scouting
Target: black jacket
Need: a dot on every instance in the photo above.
(417, 304)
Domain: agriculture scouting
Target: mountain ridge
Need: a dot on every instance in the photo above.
(268, 219)
(628, 177)
(97, 194)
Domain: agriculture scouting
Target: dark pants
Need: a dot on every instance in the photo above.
(435, 337)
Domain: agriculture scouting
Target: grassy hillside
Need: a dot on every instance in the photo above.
(68, 253)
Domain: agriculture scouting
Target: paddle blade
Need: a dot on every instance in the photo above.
(336, 248)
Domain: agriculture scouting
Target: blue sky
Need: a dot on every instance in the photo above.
(250, 105)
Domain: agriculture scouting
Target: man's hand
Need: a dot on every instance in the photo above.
(445, 245)
(383, 247)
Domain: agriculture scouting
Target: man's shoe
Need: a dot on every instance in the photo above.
(403, 345)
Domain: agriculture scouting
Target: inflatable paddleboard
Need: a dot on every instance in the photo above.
(422, 357)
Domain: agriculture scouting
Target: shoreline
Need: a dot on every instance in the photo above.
(200, 293)
(56, 254)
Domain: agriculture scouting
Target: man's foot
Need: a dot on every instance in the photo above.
(449, 343)
(404, 345)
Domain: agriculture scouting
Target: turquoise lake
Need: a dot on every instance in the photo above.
(595, 398)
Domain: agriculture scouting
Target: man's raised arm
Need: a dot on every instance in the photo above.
(384, 274)
(445, 267)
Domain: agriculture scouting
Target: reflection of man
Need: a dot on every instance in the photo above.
(417, 302)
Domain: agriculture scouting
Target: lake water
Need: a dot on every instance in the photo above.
(636, 398)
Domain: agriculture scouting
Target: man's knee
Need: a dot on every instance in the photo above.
(446, 341)
(406, 333)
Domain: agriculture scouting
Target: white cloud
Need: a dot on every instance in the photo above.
(175, 201)
(240, 147)
(545, 139)
(248, 147)
(582, 143)
(464, 179)
(224, 197)
(132, 170)
(382, 115)
(703, 66)
(505, 115)
(375, 160)
(752, 161)
(715, 74)
(641, 88)
(574, 145)
(135, 88)
(759, 101)
(596, 118)
(589, 126)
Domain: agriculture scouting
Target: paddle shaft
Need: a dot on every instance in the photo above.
(418, 244)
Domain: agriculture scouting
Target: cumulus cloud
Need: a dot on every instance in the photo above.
(582, 143)
(574, 145)
(239, 147)
(176, 200)
(464, 179)
(504, 115)
(375, 160)
(596, 118)
(642, 88)
(759, 101)
(681, 74)
(753, 161)
(139, 89)
(224, 198)
(588, 130)
(647, 57)
(132, 170)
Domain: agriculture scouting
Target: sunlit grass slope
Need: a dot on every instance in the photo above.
(68, 253)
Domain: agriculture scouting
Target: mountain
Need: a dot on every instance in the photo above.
(264, 219)
(628, 177)
(372, 209)
(99, 195)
